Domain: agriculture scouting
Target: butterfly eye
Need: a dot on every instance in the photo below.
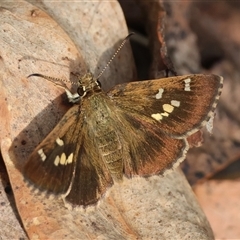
(81, 91)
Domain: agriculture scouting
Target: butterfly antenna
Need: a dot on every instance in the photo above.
(115, 54)
(52, 80)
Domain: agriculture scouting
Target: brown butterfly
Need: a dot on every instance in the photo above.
(137, 128)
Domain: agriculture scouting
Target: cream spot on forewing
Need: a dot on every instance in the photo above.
(187, 84)
(63, 159)
(159, 94)
(59, 142)
(165, 114)
(175, 103)
(168, 108)
(57, 160)
(69, 159)
(42, 154)
(157, 116)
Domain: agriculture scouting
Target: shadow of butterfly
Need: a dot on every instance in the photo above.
(137, 128)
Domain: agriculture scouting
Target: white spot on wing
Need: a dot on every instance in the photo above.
(57, 160)
(159, 94)
(59, 142)
(69, 159)
(168, 108)
(165, 114)
(187, 84)
(42, 154)
(63, 159)
(157, 116)
(175, 103)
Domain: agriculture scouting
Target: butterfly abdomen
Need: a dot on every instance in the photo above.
(110, 150)
(107, 140)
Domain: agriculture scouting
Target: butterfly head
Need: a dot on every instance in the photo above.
(88, 84)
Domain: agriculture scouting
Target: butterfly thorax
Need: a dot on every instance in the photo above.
(87, 85)
(102, 129)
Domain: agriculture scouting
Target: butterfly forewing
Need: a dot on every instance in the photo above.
(68, 160)
(178, 105)
(50, 167)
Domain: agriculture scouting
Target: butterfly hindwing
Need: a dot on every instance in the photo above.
(90, 181)
(179, 105)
